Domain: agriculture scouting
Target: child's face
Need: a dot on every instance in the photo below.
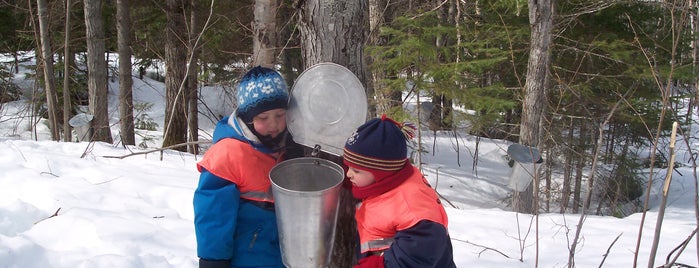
(359, 177)
(270, 123)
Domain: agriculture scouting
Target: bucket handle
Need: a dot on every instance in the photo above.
(315, 151)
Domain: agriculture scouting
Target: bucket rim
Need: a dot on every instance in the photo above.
(307, 160)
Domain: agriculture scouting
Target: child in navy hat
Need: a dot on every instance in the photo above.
(400, 220)
(234, 218)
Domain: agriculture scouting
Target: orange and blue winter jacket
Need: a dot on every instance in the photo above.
(407, 225)
(234, 215)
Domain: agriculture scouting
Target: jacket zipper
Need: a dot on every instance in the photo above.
(254, 237)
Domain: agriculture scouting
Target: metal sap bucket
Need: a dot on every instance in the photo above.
(306, 200)
(82, 124)
(527, 160)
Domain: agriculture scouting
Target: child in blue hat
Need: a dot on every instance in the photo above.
(234, 218)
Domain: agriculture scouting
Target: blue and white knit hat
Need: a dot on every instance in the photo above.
(261, 89)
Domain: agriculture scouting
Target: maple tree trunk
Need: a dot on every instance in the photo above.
(97, 71)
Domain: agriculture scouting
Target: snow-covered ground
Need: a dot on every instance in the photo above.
(74, 205)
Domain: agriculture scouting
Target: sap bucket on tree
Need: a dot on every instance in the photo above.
(82, 124)
(306, 200)
(526, 162)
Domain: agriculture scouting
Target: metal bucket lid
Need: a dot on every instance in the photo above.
(327, 103)
(524, 154)
(81, 119)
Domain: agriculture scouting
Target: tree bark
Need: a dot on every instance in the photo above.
(567, 169)
(380, 13)
(49, 82)
(125, 80)
(695, 102)
(67, 62)
(335, 31)
(192, 81)
(265, 33)
(175, 57)
(440, 117)
(534, 103)
(579, 166)
(97, 71)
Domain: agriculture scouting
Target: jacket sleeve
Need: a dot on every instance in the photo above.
(215, 211)
(419, 246)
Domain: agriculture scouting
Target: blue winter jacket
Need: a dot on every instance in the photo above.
(231, 231)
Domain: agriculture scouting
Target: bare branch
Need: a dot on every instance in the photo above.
(681, 248)
(53, 215)
(160, 149)
(608, 249)
(588, 196)
(484, 248)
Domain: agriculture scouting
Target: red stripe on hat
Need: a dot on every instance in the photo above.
(372, 162)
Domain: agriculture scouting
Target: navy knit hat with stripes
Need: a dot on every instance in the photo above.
(379, 145)
(261, 89)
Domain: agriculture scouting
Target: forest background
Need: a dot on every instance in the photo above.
(588, 83)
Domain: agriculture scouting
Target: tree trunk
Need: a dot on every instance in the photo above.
(175, 58)
(335, 31)
(534, 103)
(440, 117)
(67, 61)
(97, 71)
(265, 33)
(568, 169)
(381, 13)
(695, 101)
(579, 165)
(289, 59)
(441, 114)
(548, 174)
(125, 80)
(47, 55)
(192, 82)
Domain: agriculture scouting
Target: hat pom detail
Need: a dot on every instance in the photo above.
(407, 128)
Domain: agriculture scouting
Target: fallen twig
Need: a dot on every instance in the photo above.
(54, 215)
(678, 250)
(484, 247)
(608, 249)
(159, 149)
(440, 195)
